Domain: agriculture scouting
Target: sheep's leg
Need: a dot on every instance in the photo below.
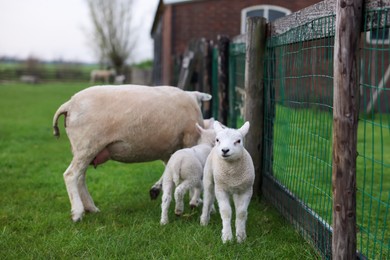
(86, 198)
(166, 200)
(208, 198)
(180, 191)
(241, 203)
(71, 177)
(226, 215)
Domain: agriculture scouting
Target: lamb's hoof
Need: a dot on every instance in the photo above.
(92, 209)
(163, 222)
(241, 238)
(178, 213)
(77, 217)
(154, 192)
(193, 206)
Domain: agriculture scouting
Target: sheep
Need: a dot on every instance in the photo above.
(185, 170)
(102, 75)
(125, 123)
(228, 171)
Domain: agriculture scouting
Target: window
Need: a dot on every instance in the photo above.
(378, 36)
(270, 12)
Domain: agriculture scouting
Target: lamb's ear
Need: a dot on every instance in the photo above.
(217, 126)
(244, 129)
(199, 128)
(209, 123)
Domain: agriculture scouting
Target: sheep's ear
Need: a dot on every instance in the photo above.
(200, 96)
(199, 128)
(244, 129)
(218, 126)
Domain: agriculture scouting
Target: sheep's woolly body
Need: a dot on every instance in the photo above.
(228, 171)
(125, 123)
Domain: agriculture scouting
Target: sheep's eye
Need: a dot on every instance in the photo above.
(217, 140)
(238, 141)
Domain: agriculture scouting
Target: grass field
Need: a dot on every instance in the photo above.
(35, 211)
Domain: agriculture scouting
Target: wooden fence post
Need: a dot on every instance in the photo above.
(223, 86)
(345, 122)
(254, 94)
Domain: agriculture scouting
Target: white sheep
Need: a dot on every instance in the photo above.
(125, 123)
(102, 75)
(185, 170)
(228, 171)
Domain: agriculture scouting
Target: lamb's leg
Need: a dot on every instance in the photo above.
(156, 188)
(166, 200)
(71, 177)
(86, 198)
(241, 203)
(180, 191)
(226, 214)
(208, 198)
(195, 195)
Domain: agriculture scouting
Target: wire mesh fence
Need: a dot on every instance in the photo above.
(298, 132)
(298, 122)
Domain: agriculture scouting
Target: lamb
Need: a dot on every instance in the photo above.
(228, 171)
(125, 123)
(185, 171)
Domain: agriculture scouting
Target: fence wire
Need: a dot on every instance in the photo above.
(298, 132)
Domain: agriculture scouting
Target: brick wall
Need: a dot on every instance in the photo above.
(210, 18)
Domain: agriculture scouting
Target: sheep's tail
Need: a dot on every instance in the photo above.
(62, 110)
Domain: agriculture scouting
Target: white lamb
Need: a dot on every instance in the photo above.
(228, 171)
(185, 170)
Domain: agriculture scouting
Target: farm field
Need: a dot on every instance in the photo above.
(35, 210)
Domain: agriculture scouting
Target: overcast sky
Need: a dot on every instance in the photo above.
(55, 29)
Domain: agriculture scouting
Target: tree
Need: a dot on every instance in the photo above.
(112, 37)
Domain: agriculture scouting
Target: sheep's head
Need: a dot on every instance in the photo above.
(229, 142)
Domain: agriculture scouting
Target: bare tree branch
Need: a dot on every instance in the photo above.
(112, 37)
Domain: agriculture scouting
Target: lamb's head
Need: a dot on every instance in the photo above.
(207, 134)
(229, 142)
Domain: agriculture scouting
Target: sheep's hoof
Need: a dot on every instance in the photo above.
(154, 192)
(193, 206)
(178, 213)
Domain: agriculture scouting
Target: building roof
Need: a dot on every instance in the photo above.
(168, 2)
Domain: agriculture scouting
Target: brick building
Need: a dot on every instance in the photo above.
(177, 22)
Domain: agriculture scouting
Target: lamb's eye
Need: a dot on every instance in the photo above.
(217, 140)
(238, 141)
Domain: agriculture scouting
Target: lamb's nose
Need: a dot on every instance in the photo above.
(225, 150)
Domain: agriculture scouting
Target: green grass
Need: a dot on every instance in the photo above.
(35, 210)
(303, 163)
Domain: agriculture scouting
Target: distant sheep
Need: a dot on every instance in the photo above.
(184, 171)
(29, 79)
(126, 123)
(228, 171)
(104, 75)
